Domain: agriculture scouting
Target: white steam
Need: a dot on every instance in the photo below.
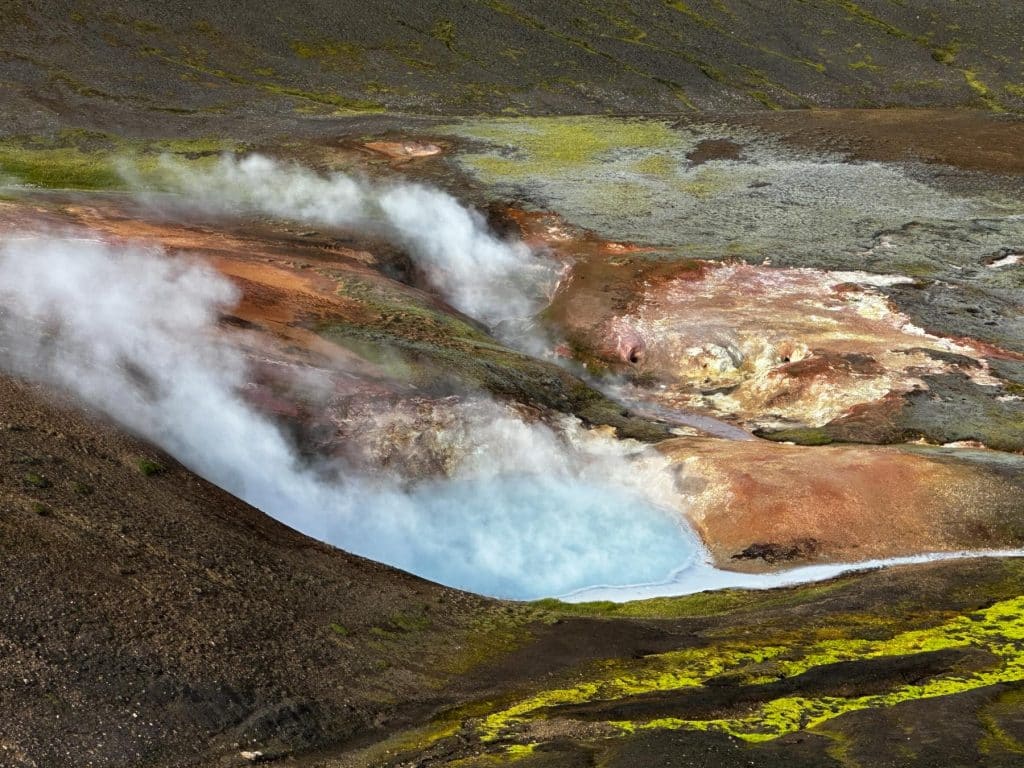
(133, 333)
(488, 278)
(530, 512)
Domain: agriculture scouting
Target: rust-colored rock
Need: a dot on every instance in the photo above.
(403, 151)
(771, 501)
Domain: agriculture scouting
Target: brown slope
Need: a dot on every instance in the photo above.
(154, 619)
(246, 65)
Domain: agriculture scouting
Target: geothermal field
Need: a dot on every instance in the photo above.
(471, 384)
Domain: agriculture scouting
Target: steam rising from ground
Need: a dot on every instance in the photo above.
(531, 512)
(133, 333)
(488, 278)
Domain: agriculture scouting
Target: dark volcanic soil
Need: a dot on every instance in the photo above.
(156, 620)
(203, 66)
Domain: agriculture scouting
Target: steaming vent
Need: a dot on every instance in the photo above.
(536, 512)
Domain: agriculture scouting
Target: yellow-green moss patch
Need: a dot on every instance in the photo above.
(984, 92)
(552, 145)
(997, 630)
(84, 160)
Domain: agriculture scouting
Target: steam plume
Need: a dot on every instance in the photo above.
(488, 278)
(133, 333)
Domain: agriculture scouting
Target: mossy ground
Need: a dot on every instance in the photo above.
(97, 161)
(998, 630)
(772, 677)
(555, 145)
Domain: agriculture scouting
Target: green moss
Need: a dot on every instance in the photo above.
(692, 15)
(997, 630)
(758, 86)
(866, 63)
(444, 31)
(714, 603)
(332, 54)
(494, 631)
(946, 54)
(533, 23)
(35, 480)
(146, 27)
(704, 183)
(552, 145)
(1014, 388)
(764, 98)
(339, 629)
(625, 30)
(701, 604)
(1007, 705)
(87, 160)
(342, 104)
(332, 99)
(657, 165)
(817, 66)
(201, 146)
(841, 747)
(411, 622)
(516, 751)
(1016, 90)
(421, 739)
(799, 435)
(150, 468)
(614, 679)
(984, 93)
(57, 168)
(441, 727)
(903, 86)
(493, 635)
(869, 18)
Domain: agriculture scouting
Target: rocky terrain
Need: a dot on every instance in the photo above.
(207, 64)
(151, 619)
(757, 265)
